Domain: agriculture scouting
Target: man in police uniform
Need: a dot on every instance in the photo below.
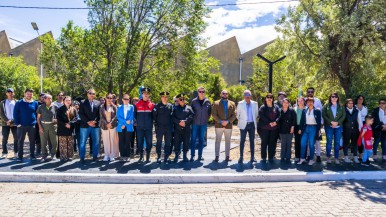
(182, 119)
(163, 123)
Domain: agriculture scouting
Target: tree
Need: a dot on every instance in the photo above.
(14, 73)
(339, 35)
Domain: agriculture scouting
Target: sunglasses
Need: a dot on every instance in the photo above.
(225, 93)
(247, 94)
(91, 93)
(269, 97)
(334, 97)
(181, 99)
(109, 97)
(310, 91)
(126, 99)
(201, 91)
(382, 103)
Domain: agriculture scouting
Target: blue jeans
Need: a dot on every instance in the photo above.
(84, 133)
(331, 133)
(200, 130)
(366, 155)
(380, 139)
(308, 137)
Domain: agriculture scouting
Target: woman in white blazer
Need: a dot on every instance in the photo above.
(247, 113)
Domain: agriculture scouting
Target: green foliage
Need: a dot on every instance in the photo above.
(16, 74)
(236, 93)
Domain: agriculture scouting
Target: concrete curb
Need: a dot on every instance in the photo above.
(188, 178)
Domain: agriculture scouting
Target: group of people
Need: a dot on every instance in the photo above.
(65, 125)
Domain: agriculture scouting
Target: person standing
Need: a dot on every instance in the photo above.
(125, 127)
(38, 146)
(202, 109)
(299, 111)
(365, 138)
(46, 118)
(24, 116)
(360, 104)
(351, 128)
(224, 114)
(333, 115)
(310, 124)
(89, 118)
(280, 97)
(318, 105)
(287, 124)
(379, 129)
(59, 100)
(162, 116)
(182, 119)
(247, 113)
(268, 128)
(144, 119)
(67, 117)
(108, 123)
(7, 123)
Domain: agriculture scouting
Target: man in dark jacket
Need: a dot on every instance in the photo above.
(182, 119)
(6, 114)
(202, 109)
(144, 119)
(352, 125)
(379, 129)
(89, 118)
(163, 125)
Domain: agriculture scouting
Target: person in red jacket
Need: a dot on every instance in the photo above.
(365, 139)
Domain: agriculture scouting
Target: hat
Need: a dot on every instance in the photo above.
(145, 89)
(282, 93)
(10, 90)
(181, 95)
(42, 94)
(164, 93)
(76, 102)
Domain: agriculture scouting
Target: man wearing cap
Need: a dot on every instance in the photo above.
(24, 116)
(280, 97)
(144, 119)
(163, 125)
(202, 109)
(7, 125)
(224, 114)
(46, 118)
(182, 120)
(247, 113)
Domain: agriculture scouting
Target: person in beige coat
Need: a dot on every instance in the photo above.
(224, 114)
(108, 123)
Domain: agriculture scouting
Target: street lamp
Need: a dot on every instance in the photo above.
(270, 71)
(36, 28)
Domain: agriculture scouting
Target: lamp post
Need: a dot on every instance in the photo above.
(270, 71)
(36, 28)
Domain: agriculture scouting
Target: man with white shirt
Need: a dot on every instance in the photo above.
(317, 105)
(6, 114)
(247, 113)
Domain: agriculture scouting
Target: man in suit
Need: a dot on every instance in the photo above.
(247, 113)
(89, 117)
(379, 129)
(224, 114)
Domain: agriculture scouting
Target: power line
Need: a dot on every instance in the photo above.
(88, 8)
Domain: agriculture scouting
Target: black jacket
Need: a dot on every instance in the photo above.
(201, 112)
(162, 115)
(268, 115)
(286, 121)
(182, 113)
(62, 118)
(377, 125)
(351, 120)
(318, 118)
(87, 115)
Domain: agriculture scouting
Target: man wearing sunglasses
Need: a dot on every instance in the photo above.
(162, 115)
(202, 109)
(247, 113)
(224, 114)
(89, 118)
(59, 100)
(182, 120)
(143, 115)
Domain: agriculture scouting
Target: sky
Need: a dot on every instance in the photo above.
(252, 24)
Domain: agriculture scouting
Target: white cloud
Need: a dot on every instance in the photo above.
(242, 22)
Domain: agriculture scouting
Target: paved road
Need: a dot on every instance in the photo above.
(364, 198)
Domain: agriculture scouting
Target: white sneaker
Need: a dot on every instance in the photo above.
(356, 160)
(337, 161)
(311, 162)
(106, 158)
(329, 160)
(347, 160)
(3, 155)
(112, 159)
(301, 161)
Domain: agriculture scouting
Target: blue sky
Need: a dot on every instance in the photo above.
(251, 24)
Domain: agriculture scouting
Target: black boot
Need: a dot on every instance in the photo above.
(166, 158)
(176, 157)
(140, 157)
(147, 156)
(158, 158)
(185, 157)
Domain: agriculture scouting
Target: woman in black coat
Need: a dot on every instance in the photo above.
(66, 116)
